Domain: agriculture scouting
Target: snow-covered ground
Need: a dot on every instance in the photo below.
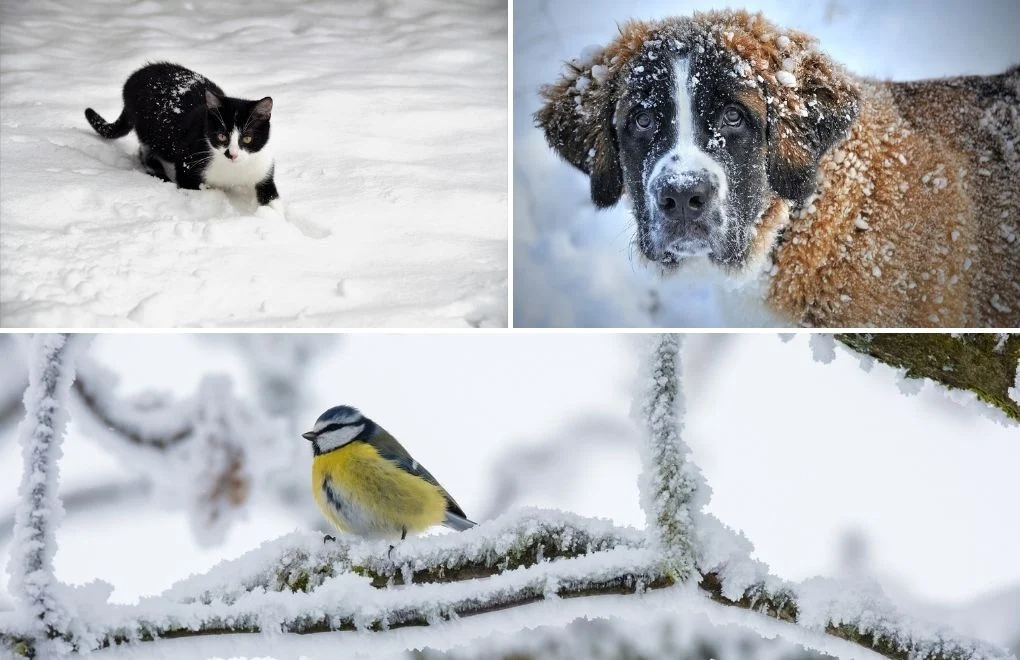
(827, 468)
(389, 126)
(574, 266)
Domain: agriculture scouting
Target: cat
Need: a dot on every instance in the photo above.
(192, 133)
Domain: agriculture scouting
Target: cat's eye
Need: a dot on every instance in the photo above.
(732, 116)
(246, 139)
(644, 121)
(221, 137)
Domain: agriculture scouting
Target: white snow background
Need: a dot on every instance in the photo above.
(389, 128)
(573, 264)
(829, 470)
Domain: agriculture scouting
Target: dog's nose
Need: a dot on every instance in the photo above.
(686, 200)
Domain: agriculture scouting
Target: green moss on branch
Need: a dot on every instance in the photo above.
(982, 363)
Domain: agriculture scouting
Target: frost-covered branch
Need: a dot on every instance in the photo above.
(153, 419)
(669, 483)
(40, 597)
(985, 364)
(300, 584)
(204, 453)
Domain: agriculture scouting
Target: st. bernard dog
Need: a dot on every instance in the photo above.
(865, 203)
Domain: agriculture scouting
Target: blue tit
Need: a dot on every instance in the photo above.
(366, 483)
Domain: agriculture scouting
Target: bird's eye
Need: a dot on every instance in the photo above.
(246, 139)
(221, 137)
(732, 116)
(644, 121)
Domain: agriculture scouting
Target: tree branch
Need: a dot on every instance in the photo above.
(153, 421)
(668, 482)
(298, 584)
(51, 372)
(982, 363)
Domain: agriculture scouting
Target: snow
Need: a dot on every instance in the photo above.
(786, 79)
(823, 347)
(577, 266)
(389, 131)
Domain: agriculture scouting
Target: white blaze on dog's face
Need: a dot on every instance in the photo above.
(685, 190)
(692, 154)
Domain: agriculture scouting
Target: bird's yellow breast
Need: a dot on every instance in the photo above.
(374, 497)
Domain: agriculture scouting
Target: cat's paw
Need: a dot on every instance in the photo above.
(272, 209)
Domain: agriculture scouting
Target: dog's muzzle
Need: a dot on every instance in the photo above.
(684, 214)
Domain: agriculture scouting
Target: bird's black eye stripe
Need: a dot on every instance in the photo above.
(334, 426)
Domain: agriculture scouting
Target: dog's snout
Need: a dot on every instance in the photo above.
(686, 200)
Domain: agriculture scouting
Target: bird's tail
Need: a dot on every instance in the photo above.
(117, 129)
(459, 523)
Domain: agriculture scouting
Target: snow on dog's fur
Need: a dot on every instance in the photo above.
(877, 203)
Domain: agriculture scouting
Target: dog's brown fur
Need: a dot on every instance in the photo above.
(915, 220)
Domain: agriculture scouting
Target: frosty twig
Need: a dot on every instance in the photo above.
(668, 482)
(51, 371)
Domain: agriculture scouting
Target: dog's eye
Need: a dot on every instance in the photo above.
(644, 121)
(246, 139)
(732, 116)
(221, 137)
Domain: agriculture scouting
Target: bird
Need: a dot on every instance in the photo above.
(366, 484)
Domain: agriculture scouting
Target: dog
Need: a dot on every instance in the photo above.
(864, 203)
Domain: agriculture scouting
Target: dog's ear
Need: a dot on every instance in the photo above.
(577, 119)
(799, 136)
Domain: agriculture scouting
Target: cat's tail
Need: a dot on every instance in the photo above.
(117, 129)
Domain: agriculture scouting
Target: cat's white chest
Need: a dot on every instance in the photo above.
(248, 170)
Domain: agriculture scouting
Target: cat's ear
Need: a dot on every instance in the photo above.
(212, 101)
(264, 108)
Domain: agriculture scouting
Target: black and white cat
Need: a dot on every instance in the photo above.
(191, 133)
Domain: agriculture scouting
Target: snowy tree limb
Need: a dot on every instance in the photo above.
(983, 363)
(668, 482)
(299, 584)
(154, 420)
(39, 512)
(204, 452)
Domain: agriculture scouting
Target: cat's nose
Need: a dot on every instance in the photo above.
(232, 155)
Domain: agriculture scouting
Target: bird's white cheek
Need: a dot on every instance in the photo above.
(338, 438)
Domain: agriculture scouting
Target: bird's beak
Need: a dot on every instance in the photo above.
(308, 436)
